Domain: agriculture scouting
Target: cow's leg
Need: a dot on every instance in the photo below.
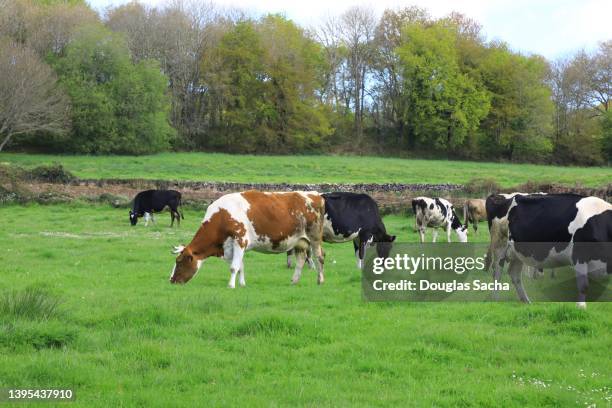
(152, 219)
(356, 245)
(514, 270)
(241, 280)
(300, 260)
(434, 234)
(475, 225)
(422, 233)
(147, 217)
(289, 255)
(317, 251)
(236, 265)
(582, 282)
(171, 218)
(448, 232)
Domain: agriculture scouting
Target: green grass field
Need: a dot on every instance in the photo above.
(311, 169)
(123, 336)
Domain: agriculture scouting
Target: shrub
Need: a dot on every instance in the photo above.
(54, 173)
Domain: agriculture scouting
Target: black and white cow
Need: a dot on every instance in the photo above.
(353, 217)
(497, 207)
(437, 213)
(569, 229)
(152, 201)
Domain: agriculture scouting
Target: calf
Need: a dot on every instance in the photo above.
(353, 217)
(570, 229)
(254, 220)
(437, 213)
(474, 211)
(151, 201)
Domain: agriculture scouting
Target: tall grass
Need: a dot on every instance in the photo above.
(31, 303)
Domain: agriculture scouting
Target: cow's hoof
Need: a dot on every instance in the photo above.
(581, 305)
(230, 286)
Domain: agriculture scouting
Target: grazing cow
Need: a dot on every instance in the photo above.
(474, 211)
(152, 201)
(254, 220)
(437, 213)
(353, 217)
(497, 207)
(570, 229)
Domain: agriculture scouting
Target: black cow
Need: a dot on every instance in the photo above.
(354, 217)
(152, 201)
(559, 229)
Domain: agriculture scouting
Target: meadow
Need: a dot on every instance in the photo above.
(311, 169)
(106, 322)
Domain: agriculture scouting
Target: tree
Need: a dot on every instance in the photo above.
(261, 82)
(178, 36)
(357, 33)
(117, 106)
(518, 125)
(445, 105)
(44, 26)
(387, 68)
(30, 101)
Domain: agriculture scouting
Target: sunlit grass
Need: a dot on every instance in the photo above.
(311, 169)
(123, 336)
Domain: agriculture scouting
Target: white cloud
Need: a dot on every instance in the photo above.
(547, 27)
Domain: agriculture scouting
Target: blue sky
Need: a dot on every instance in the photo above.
(552, 28)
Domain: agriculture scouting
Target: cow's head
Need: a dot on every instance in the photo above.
(462, 233)
(388, 238)
(186, 265)
(133, 218)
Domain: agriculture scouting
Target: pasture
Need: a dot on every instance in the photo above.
(311, 169)
(122, 335)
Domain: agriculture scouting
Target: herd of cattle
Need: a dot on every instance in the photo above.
(569, 229)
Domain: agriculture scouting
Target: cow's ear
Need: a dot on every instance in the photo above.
(393, 238)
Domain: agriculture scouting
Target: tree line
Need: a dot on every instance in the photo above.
(193, 76)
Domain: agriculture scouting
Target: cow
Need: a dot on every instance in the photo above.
(152, 201)
(569, 229)
(353, 217)
(437, 213)
(497, 207)
(474, 211)
(255, 220)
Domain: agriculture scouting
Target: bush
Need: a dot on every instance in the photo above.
(54, 173)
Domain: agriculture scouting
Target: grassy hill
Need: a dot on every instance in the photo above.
(311, 169)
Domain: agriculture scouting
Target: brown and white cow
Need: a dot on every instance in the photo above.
(255, 220)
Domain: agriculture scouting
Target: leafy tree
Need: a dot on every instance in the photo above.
(445, 105)
(117, 107)
(606, 126)
(518, 125)
(263, 78)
